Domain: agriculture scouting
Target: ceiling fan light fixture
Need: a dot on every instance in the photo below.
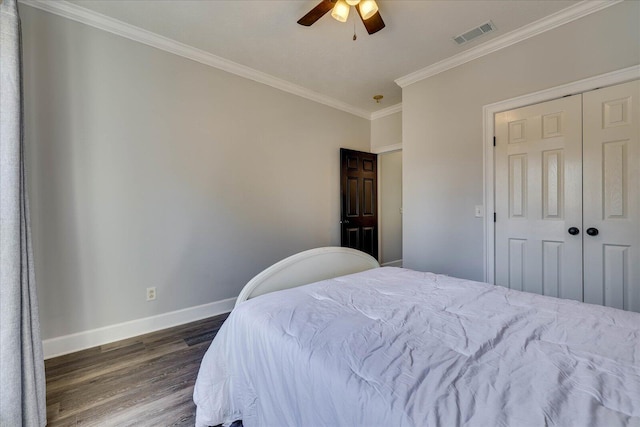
(352, 2)
(368, 8)
(340, 11)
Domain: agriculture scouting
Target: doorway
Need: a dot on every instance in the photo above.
(359, 201)
(490, 110)
(390, 203)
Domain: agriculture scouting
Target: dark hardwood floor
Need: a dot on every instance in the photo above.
(142, 381)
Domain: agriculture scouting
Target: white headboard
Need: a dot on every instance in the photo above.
(307, 267)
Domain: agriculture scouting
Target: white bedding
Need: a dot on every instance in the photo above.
(395, 347)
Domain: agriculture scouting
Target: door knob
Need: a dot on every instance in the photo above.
(573, 231)
(592, 231)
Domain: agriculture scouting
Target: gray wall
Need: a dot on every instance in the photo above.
(386, 131)
(147, 169)
(442, 129)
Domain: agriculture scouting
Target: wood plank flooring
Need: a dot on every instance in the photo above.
(142, 381)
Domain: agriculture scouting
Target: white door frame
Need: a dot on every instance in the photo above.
(488, 112)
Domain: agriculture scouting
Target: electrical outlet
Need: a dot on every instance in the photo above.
(151, 293)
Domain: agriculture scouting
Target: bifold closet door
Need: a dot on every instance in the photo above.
(538, 196)
(612, 196)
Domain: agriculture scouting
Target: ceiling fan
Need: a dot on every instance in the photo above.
(367, 9)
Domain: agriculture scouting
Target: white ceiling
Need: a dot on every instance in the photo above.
(323, 58)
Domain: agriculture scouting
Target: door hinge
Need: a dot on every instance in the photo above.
(494, 217)
(494, 141)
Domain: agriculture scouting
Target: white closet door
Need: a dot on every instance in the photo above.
(612, 196)
(538, 196)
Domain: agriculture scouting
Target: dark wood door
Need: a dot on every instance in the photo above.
(359, 205)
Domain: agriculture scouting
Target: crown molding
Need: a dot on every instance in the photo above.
(564, 16)
(97, 20)
(386, 111)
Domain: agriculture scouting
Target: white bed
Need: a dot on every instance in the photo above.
(396, 347)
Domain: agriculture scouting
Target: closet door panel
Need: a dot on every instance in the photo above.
(611, 119)
(539, 197)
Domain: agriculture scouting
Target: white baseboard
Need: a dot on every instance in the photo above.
(396, 263)
(82, 340)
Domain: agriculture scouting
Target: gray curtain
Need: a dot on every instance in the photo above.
(22, 380)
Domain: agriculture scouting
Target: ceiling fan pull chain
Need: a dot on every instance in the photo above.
(354, 29)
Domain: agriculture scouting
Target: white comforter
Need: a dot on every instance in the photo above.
(394, 347)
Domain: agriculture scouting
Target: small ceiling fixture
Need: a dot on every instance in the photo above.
(367, 9)
(378, 98)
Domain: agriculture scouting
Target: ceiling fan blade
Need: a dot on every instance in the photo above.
(316, 13)
(373, 24)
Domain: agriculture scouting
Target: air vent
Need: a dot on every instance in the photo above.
(475, 32)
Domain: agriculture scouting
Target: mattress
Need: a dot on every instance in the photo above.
(396, 347)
